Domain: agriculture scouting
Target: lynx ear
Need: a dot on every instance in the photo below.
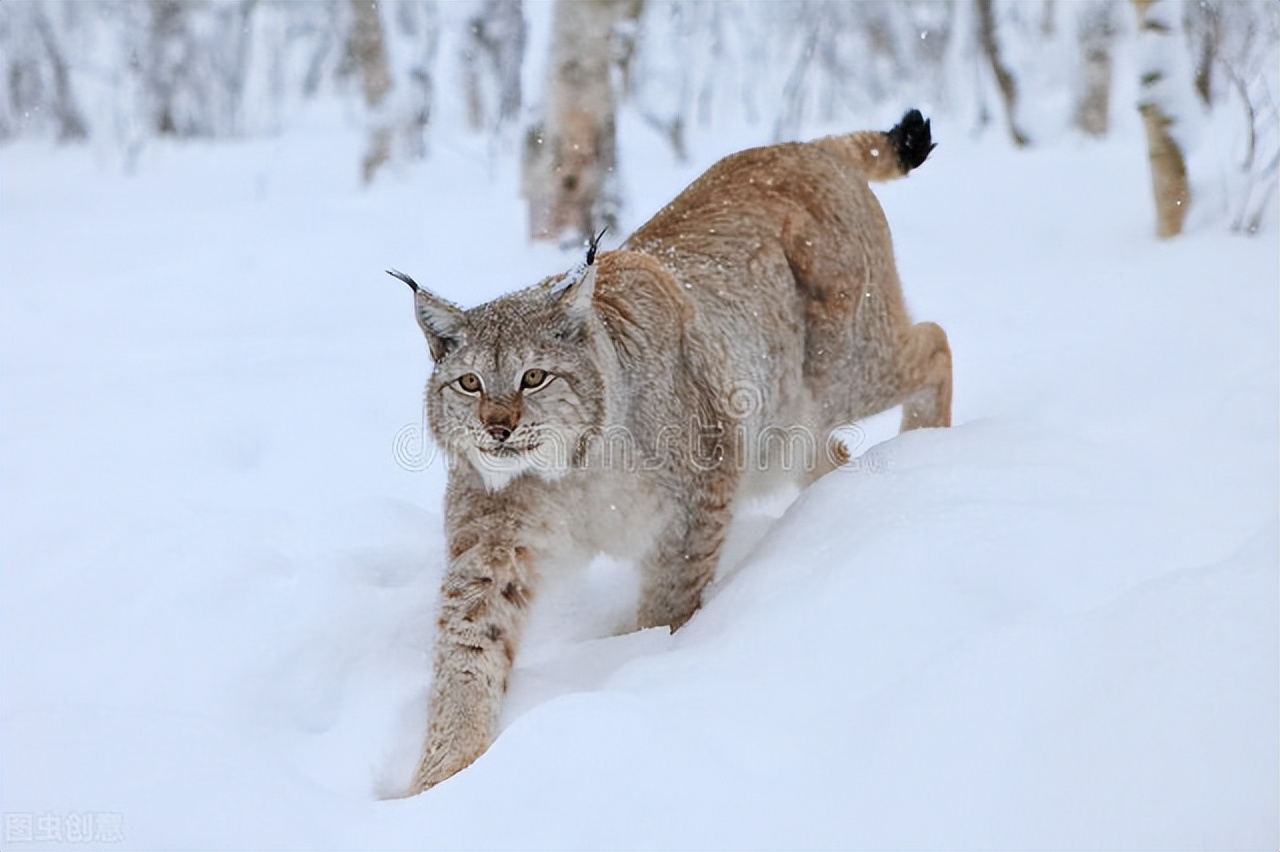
(577, 290)
(441, 321)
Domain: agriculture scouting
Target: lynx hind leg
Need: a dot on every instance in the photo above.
(860, 345)
(684, 561)
(673, 579)
(925, 368)
(914, 372)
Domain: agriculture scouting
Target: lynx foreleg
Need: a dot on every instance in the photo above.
(484, 607)
(685, 557)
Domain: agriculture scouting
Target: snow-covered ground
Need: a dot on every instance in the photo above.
(1052, 626)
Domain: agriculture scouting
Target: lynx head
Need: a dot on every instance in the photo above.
(515, 388)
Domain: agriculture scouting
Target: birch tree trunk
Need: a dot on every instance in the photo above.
(492, 55)
(366, 46)
(1159, 42)
(1095, 31)
(66, 110)
(168, 49)
(570, 156)
(1005, 80)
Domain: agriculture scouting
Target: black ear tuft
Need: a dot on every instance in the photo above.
(912, 140)
(595, 244)
(441, 321)
(397, 274)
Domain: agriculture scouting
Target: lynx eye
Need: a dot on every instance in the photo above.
(469, 382)
(533, 379)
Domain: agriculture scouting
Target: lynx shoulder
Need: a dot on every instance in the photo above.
(629, 404)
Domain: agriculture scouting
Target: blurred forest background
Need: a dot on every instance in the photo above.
(543, 81)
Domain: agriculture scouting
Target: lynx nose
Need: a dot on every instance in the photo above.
(499, 417)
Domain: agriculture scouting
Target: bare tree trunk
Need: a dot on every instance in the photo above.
(1248, 68)
(1004, 77)
(1168, 166)
(570, 157)
(418, 28)
(235, 74)
(366, 47)
(1048, 20)
(1095, 31)
(1207, 29)
(165, 69)
(66, 111)
(625, 34)
(492, 55)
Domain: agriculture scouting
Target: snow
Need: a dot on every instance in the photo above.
(1052, 626)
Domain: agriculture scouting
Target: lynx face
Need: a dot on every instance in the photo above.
(514, 390)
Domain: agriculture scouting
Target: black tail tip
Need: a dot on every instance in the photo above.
(912, 140)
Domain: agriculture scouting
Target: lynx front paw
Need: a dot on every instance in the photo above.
(440, 764)
(464, 716)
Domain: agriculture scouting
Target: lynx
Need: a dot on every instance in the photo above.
(627, 406)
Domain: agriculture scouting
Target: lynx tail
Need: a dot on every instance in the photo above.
(885, 155)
